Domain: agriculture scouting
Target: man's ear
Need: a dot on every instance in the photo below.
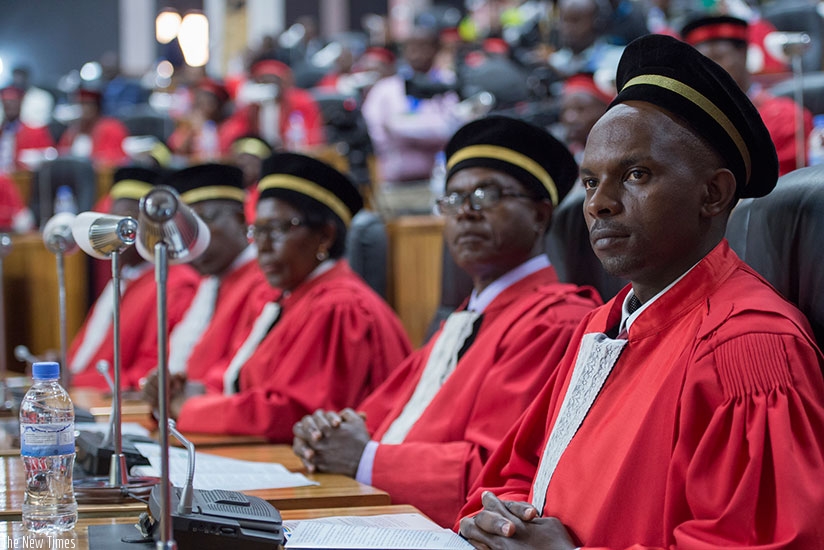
(543, 213)
(719, 193)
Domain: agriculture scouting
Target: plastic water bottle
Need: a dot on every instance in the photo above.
(64, 200)
(815, 152)
(47, 448)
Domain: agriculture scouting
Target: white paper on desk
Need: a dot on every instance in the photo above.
(388, 532)
(127, 428)
(218, 472)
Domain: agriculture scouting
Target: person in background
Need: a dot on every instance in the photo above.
(248, 154)
(323, 338)
(17, 138)
(138, 302)
(230, 276)
(445, 409)
(94, 136)
(38, 104)
(270, 106)
(583, 102)
(199, 135)
(689, 411)
(582, 44)
(724, 39)
(408, 126)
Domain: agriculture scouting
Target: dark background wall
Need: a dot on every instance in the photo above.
(53, 37)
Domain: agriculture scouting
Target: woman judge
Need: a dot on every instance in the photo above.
(323, 339)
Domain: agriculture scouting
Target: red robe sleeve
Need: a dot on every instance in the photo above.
(10, 202)
(325, 352)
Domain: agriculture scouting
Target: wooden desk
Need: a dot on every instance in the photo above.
(415, 263)
(12, 533)
(334, 491)
(280, 454)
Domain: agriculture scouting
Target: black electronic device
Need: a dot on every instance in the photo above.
(221, 518)
(94, 456)
(213, 519)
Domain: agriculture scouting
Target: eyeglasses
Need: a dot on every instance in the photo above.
(273, 230)
(479, 198)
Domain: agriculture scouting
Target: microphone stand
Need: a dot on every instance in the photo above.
(6, 404)
(166, 541)
(118, 474)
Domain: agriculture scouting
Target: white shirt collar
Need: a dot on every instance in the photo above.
(627, 319)
(479, 301)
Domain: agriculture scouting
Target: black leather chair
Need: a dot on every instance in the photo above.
(145, 123)
(780, 236)
(76, 173)
(367, 249)
(569, 249)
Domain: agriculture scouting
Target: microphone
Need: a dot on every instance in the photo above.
(785, 45)
(168, 232)
(22, 354)
(98, 235)
(184, 505)
(57, 234)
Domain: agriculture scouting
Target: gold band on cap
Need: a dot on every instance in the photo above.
(512, 157)
(251, 146)
(308, 188)
(213, 192)
(703, 103)
(129, 189)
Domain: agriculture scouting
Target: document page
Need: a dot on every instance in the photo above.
(388, 532)
(218, 472)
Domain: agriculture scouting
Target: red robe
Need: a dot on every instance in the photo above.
(245, 121)
(523, 334)
(707, 433)
(778, 114)
(336, 340)
(11, 204)
(28, 137)
(138, 328)
(214, 349)
(107, 141)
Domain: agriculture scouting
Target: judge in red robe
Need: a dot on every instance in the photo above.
(725, 39)
(94, 136)
(16, 137)
(230, 274)
(689, 412)
(272, 107)
(440, 423)
(138, 302)
(327, 340)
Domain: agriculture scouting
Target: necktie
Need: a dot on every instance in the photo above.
(633, 304)
(441, 363)
(597, 356)
(263, 324)
(189, 331)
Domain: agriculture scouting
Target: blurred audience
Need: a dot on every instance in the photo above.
(583, 102)
(16, 137)
(94, 135)
(200, 135)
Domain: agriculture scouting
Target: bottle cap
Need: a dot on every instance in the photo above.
(45, 370)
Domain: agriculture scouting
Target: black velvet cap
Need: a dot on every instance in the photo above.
(673, 75)
(285, 175)
(205, 182)
(132, 182)
(515, 147)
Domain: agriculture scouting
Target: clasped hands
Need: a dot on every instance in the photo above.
(507, 524)
(331, 442)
